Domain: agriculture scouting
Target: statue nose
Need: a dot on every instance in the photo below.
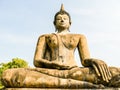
(62, 20)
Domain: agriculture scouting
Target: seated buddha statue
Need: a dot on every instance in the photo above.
(55, 64)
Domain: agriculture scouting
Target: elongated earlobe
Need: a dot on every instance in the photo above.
(54, 22)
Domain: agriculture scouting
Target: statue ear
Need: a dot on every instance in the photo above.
(54, 22)
(70, 22)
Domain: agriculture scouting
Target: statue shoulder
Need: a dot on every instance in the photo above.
(44, 36)
(82, 36)
(79, 35)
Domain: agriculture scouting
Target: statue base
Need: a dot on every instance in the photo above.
(56, 89)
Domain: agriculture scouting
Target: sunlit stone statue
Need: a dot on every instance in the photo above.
(55, 63)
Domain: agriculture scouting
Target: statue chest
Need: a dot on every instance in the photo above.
(69, 41)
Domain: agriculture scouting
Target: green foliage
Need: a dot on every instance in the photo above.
(15, 63)
(18, 63)
(1, 86)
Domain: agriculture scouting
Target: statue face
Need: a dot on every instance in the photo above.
(62, 22)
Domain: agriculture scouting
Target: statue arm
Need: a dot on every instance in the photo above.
(100, 67)
(83, 50)
(40, 51)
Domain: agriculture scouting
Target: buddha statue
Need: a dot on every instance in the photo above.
(55, 64)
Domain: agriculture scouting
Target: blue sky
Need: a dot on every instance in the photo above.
(23, 21)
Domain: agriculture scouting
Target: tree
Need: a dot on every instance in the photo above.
(15, 63)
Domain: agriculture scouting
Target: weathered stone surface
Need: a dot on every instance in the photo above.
(55, 63)
(56, 89)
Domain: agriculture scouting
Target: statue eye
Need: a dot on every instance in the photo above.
(65, 18)
(58, 19)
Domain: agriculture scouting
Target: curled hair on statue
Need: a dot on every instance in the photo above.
(62, 11)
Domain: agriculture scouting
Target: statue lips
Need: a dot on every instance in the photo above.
(62, 23)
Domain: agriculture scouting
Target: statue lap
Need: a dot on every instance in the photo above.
(53, 78)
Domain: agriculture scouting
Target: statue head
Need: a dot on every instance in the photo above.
(61, 12)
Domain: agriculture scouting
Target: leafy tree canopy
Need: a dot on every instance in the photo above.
(15, 63)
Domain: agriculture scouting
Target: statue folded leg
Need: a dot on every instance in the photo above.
(82, 74)
(40, 77)
(31, 78)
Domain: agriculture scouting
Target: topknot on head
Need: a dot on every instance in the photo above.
(62, 8)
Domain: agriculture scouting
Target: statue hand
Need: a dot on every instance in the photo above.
(101, 69)
(61, 66)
